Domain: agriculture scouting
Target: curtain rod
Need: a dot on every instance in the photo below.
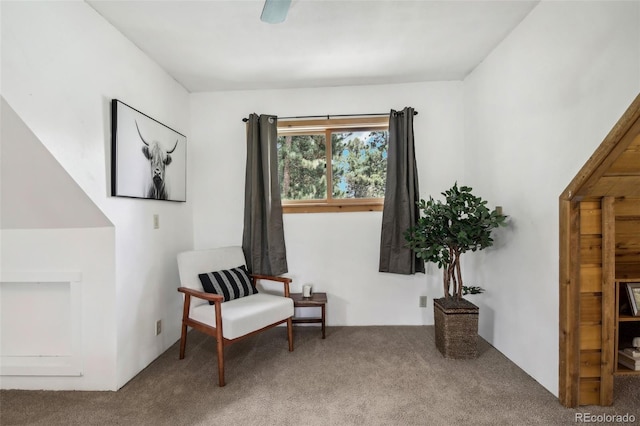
(328, 117)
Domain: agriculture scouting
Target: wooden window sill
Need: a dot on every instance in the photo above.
(332, 207)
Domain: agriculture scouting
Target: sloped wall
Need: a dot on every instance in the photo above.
(535, 110)
(46, 225)
(62, 63)
(36, 192)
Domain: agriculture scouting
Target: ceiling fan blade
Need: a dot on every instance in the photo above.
(275, 11)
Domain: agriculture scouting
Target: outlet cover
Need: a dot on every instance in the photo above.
(423, 301)
(156, 221)
(158, 327)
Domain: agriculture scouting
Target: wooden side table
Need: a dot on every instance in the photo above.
(316, 300)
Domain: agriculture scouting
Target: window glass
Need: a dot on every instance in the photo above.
(332, 165)
(301, 167)
(359, 164)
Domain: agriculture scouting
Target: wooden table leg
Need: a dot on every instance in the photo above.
(322, 320)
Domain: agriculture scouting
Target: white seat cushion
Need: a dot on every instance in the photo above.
(245, 315)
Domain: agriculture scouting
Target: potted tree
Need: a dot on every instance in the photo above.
(444, 232)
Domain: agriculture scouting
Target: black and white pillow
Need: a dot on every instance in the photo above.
(230, 283)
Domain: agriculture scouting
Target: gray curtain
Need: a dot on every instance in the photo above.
(263, 236)
(401, 194)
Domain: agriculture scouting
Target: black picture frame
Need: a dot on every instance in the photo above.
(148, 158)
(633, 291)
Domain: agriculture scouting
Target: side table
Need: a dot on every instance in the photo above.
(317, 300)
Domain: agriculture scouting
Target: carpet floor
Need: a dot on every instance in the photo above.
(390, 375)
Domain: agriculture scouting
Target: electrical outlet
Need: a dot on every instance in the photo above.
(423, 301)
(158, 327)
(156, 221)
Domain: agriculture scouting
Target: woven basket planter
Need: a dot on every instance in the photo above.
(456, 325)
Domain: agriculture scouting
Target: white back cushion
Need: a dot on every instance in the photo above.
(194, 262)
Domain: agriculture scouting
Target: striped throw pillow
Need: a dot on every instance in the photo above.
(230, 283)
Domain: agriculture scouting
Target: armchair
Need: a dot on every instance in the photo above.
(233, 320)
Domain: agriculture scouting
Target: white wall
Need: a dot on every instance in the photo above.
(48, 253)
(61, 65)
(535, 110)
(35, 191)
(336, 252)
(54, 335)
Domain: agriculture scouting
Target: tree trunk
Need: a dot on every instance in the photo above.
(459, 273)
(286, 176)
(452, 275)
(445, 282)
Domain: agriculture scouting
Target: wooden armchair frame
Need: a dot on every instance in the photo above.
(216, 331)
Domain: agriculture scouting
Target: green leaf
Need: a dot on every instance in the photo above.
(445, 230)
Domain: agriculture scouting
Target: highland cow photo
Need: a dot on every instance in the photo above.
(148, 159)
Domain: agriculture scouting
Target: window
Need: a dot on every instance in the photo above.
(333, 165)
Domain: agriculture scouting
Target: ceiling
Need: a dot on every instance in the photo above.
(222, 45)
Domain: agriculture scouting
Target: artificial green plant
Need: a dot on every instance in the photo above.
(446, 230)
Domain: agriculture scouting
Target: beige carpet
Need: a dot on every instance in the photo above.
(356, 376)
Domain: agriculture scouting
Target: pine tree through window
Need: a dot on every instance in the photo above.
(347, 174)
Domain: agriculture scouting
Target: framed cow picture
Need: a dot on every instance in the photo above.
(148, 159)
